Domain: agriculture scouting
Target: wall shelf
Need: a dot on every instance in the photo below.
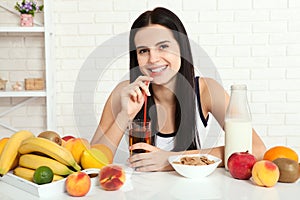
(22, 29)
(23, 94)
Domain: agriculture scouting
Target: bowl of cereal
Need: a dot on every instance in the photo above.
(194, 165)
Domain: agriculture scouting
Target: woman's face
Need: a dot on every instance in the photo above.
(158, 53)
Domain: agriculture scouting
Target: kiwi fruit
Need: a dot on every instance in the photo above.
(51, 135)
(288, 168)
(299, 170)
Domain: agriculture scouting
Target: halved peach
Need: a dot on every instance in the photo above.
(112, 177)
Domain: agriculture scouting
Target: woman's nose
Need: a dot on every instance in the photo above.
(154, 56)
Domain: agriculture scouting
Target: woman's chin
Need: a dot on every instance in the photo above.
(162, 80)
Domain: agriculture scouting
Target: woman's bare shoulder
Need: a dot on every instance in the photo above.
(211, 92)
(208, 84)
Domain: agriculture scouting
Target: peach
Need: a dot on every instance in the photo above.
(265, 173)
(78, 184)
(106, 150)
(93, 158)
(112, 177)
(68, 144)
(76, 146)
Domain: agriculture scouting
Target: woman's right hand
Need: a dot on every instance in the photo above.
(132, 96)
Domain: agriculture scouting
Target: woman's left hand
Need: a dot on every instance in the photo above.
(155, 160)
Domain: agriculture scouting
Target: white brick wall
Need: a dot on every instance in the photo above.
(256, 42)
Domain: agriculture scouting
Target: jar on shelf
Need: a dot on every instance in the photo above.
(3, 84)
(26, 20)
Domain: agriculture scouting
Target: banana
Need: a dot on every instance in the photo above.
(34, 161)
(27, 174)
(49, 148)
(10, 150)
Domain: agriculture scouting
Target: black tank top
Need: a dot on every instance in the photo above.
(204, 121)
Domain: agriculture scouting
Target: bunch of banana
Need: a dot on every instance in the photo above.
(27, 174)
(33, 161)
(10, 150)
(49, 148)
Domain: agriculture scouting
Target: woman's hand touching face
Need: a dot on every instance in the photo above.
(132, 96)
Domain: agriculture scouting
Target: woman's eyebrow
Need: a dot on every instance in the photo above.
(141, 47)
(157, 44)
(162, 42)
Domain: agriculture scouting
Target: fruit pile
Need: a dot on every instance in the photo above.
(279, 164)
(87, 156)
(48, 157)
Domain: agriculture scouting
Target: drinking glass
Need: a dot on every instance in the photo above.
(140, 131)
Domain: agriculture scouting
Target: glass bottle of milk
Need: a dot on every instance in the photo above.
(238, 126)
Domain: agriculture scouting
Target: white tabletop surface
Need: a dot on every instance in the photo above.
(170, 185)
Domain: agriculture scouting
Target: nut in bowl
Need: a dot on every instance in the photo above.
(194, 165)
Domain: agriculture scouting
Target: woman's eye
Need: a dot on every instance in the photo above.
(142, 51)
(163, 46)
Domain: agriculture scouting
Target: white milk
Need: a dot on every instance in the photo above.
(238, 137)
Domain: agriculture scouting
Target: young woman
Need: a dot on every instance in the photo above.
(161, 67)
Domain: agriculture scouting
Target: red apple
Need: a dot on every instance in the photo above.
(78, 184)
(111, 177)
(240, 165)
(67, 137)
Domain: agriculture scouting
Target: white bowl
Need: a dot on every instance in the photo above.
(191, 171)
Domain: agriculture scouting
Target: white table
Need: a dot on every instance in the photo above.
(170, 185)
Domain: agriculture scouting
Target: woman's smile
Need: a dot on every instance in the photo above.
(157, 70)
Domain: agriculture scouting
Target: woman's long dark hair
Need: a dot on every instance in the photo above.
(185, 122)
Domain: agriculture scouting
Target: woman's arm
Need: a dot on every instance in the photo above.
(113, 122)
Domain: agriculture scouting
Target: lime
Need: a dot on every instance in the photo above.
(42, 175)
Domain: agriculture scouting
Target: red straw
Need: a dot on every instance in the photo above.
(145, 107)
(147, 136)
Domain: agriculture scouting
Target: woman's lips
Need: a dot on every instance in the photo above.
(157, 69)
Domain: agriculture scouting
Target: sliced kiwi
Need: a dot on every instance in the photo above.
(288, 168)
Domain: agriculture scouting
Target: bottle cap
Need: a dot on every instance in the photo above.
(239, 87)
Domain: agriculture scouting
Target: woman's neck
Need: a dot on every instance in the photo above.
(163, 94)
(165, 101)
